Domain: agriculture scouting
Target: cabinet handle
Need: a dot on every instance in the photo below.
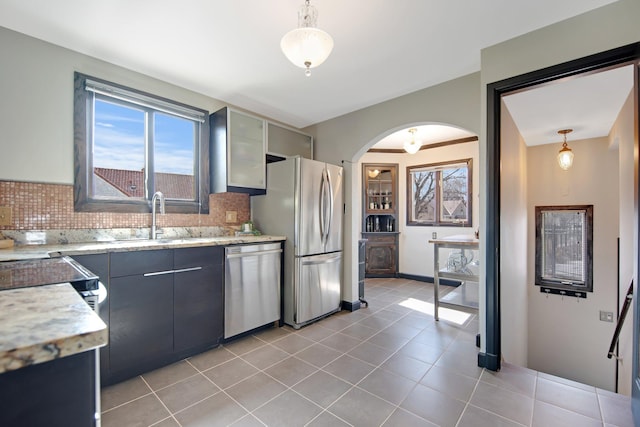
(181, 270)
(159, 273)
(184, 270)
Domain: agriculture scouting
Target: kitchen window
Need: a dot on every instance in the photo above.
(129, 144)
(564, 247)
(439, 194)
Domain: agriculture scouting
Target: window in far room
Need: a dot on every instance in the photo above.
(439, 194)
(564, 247)
(129, 144)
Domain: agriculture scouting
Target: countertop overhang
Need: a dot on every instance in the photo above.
(42, 323)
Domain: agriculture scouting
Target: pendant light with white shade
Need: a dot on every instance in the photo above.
(307, 46)
(412, 146)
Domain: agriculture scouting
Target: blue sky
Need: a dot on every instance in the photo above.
(119, 140)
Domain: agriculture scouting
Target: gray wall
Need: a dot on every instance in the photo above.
(36, 108)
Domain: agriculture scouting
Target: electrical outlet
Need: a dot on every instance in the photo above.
(5, 215)
(606, 316)
(232, 216)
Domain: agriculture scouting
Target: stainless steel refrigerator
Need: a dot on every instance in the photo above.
(304, 202)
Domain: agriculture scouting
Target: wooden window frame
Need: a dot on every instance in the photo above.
(438, 167)
(83, 164)
(560, 283)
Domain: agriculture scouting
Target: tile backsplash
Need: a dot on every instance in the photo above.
(36, 206)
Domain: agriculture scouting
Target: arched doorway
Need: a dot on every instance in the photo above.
(440, 143)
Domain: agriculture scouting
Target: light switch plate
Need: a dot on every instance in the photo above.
(606, 316)
(5, 215)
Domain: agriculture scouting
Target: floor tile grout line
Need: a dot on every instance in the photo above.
(127, 402)
(535, 392)
(220, 390)
(163, 420)
(161, 402)
(555, 404)
(601, 419)
(214, 366)
(379, 366)
(397, 406)
(499, 416)
(324, 411)
(287, 387)
(468, 402)
(175, 382)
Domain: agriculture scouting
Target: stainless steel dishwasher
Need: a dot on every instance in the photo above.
(251, 286)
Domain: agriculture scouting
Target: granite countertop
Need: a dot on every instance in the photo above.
(22, 252)
(43, 323)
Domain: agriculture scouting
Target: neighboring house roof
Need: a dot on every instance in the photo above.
(451, 205)
(131, 183)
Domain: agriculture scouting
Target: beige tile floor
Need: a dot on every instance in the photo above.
(389, 364)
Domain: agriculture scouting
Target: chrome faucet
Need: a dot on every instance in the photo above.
(156, 196)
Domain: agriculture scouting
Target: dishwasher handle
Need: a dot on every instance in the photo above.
(248, 254)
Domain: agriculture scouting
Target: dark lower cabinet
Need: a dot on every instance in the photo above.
(198, 310)
(141, 327)
(58, 393)
(198, 315)
(381, 254)
(164, 305)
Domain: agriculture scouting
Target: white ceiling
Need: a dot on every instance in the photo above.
(229, 50)
(587, 104)
(425, 134)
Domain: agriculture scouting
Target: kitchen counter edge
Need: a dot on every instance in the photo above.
(83, 248)
(43, 323)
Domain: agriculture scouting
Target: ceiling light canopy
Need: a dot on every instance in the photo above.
(412, 146)
(307, 46)
(565, 155)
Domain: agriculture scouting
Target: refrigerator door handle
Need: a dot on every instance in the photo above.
(330, 197)
(323, 208)
(321, 261)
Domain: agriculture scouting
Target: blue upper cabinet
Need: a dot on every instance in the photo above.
(238, 150)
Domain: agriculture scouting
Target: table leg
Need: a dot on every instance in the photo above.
(436, 282)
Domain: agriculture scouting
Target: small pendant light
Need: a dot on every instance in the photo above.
(565, 155)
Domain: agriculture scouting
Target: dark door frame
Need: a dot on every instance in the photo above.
(490, 358)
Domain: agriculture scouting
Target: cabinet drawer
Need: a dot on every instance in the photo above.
(140, 262)
(381, 239)
(198, 257)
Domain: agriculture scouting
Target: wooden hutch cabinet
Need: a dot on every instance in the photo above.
(379, 219)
